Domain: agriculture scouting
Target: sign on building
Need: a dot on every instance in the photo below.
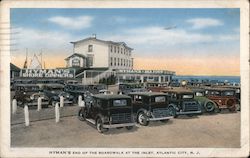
(48, 73)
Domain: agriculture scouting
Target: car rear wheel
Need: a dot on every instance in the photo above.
(209, 106)
(99, 126)
(142, 119)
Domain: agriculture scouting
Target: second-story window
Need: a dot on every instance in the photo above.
(90, 48)
(111, 48)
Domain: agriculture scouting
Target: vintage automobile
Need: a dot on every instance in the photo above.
(224, 98)
(108, 111)
(29, 94)
(54, 91)
(126, 88)
(184, 101)
(150, 106)
(80, 89)
(207, 105)
(237, 92)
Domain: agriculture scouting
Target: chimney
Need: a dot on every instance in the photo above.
(93, 35)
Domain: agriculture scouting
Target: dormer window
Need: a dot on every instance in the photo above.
(90, 48)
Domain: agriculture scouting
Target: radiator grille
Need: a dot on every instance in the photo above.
(121, 118)
(190, 106)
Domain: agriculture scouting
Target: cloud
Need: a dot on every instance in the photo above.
(200, 23)
(80, 22)
(155, 36)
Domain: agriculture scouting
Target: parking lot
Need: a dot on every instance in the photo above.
(216, 130)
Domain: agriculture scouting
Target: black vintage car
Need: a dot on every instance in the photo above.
(54, 91)
(29, 94)
(108, 111)
(151, 106)
(79, 89)
(184, 101)
(126, 88)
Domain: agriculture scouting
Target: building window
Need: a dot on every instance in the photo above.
(111, 61)
(115, 61)
(111, 48)
(118, 49)
(121, 51)
(124, 64)
(118, 61)
(75, 63)
(90, 48)
(90, 60)
(115, 48)
(121, 61)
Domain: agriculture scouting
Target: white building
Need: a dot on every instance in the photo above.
(102, 54)
(97, 59)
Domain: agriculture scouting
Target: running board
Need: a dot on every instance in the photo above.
(91, 121)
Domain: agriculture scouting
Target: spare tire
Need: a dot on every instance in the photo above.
(231, 104)
(209, 106)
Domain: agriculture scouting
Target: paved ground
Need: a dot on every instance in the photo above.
(219, 130)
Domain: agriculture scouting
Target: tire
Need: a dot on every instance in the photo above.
(142, 119)
(172, 111)
(209, 106)
(99, 126)
(129, 127)
(82, 114)
(231, 105)
(190, 115)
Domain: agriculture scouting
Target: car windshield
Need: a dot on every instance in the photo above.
(228, 93)
(120, 102)
(199, 94)
(160, 99)
(187, 96)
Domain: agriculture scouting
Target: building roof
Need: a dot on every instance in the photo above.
(107, 42)
(75, 54)
(111, 96)
(14, 67)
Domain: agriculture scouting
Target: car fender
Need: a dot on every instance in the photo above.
(141, 110)
(99, 116)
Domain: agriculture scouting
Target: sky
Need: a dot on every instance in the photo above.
(187, 41)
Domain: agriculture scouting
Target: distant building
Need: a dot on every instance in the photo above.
(101, 54)
(14, 71)
(76, 60)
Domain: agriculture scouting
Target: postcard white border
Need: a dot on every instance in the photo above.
(7, 151)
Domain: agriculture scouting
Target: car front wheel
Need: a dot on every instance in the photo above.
(142, 119)
(82, 114)
(209, 106)
(99, 126)
(172, 112)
